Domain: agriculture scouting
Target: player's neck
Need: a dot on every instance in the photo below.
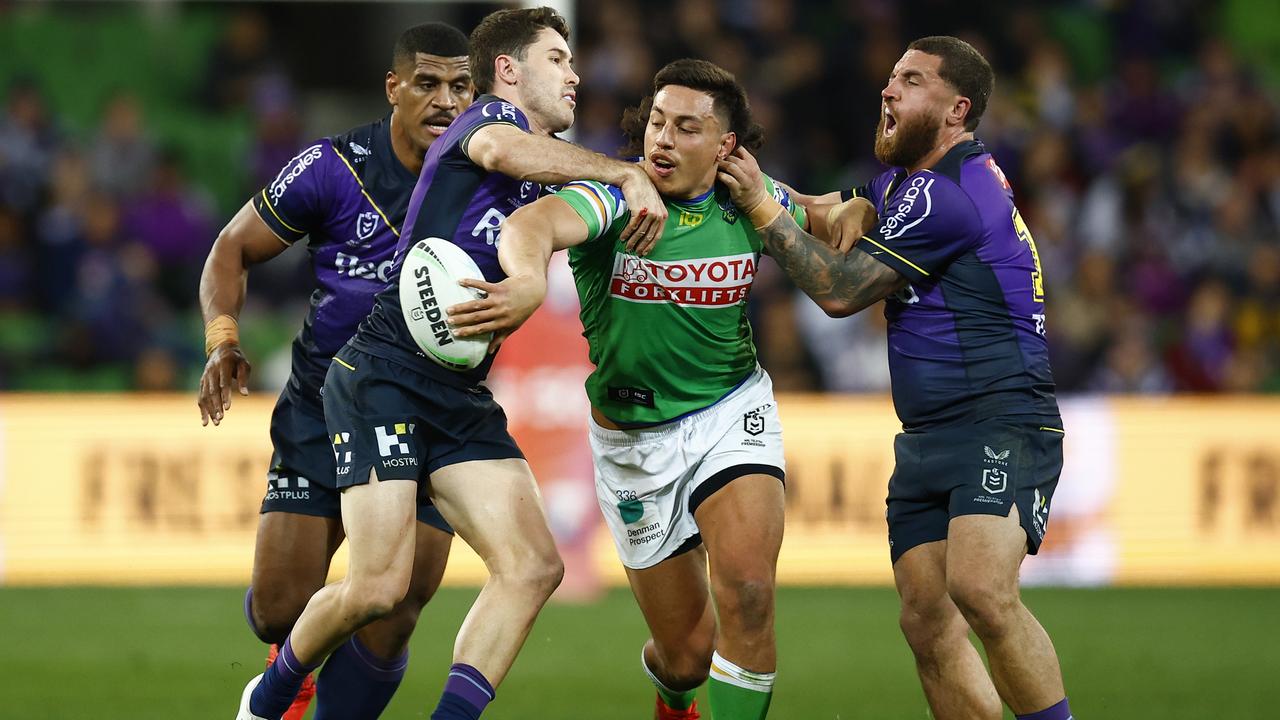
(948, 140)
(403, 147)
(511, 94)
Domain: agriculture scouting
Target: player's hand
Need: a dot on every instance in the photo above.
(849, 221)
(226, 368)
(648, 213)
(502, 311)
(740, 173)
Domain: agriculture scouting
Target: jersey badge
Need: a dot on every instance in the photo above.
(366, 224)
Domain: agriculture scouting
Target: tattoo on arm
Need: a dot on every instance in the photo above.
(846, 283)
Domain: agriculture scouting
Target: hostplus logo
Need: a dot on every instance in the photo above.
(342, 452)
(393, 444)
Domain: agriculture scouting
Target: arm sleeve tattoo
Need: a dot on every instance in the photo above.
(842, 284)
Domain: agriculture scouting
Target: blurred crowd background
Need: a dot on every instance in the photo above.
(1142, 139)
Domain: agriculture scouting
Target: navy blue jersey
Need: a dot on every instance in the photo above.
(348, 195)
(459, 201)
(966, 337)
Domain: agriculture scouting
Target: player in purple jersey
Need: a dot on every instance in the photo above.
(981, 448)
(400, 423)
(349, 194)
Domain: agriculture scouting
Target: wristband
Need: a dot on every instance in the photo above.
(221, 329)
(769, 209)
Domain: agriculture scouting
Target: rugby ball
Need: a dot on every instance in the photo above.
(428, 286)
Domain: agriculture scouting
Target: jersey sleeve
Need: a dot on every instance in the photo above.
(493, 112)
(927, 223)
(600, 206)
(784, 199)
(293, 203)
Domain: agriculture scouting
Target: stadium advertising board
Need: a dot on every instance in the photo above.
(131, 489)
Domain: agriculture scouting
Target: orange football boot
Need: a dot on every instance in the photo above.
(666, 713)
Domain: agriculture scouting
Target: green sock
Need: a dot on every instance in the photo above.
(674, 699)
(738, 694)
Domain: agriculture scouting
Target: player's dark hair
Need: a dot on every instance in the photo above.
(729, 101)
(433, 38)
(964, 68)
(508, 32)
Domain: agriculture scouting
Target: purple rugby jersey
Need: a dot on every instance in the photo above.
(348, 195)
(459, 201)
(966, 337)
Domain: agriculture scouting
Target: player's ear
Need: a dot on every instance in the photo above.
(393, 88)
(504, 69)
(959, 111)
(728, 142)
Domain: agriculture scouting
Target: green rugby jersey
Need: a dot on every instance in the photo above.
(668, 333)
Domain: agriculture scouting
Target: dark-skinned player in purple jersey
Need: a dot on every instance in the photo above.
(401, 423)
(981, 448)
(347, 195)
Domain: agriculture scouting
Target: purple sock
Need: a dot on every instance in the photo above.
(466, 693)
(1060, 711)
(355, 684)
(280, 684)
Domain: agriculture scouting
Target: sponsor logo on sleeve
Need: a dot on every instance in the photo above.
(292, 170)
(918, 190)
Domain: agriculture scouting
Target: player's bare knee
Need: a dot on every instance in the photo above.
(746, 602)
(539, 574)
(274, 613)
(374, 598)
(988, 607)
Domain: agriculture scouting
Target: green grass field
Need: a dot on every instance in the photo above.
(1194, 654)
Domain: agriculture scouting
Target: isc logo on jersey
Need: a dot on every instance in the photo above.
(428, 285)
(290, 172)
(697, 282)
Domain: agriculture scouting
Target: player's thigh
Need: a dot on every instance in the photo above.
(494, 505)
(430, 556)
(379, 518)
(742, 526)
(985, 552)
(920, 577)
(675, 599)
(292, 553)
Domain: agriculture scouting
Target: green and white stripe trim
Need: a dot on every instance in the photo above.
(727, 672)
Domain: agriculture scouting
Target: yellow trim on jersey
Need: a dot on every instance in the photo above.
(363, 191)
(344, 363)
(602, 212)
(1057, 430)
(267, 202)
(919, 269)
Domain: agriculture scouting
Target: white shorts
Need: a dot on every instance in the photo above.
(650, 481)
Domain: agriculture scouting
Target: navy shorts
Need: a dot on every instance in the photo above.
(978, 469)
(405, 425)
(301, 479)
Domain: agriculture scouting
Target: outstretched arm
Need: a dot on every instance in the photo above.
(529, 237)
(245, 241)
(841, 284)
(509, 150)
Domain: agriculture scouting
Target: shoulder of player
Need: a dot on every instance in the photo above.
(359, 143)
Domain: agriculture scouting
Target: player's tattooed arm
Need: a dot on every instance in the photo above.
(840, 283)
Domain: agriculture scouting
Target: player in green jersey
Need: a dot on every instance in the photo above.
(685, 432)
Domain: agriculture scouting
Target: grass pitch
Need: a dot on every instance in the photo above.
(141, 653)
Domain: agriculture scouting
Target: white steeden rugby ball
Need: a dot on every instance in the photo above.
(428, 285)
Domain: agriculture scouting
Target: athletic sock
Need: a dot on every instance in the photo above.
(1060, 711)
(674, 699)
(466, 693)
(280, 683)
(355, 684)
(738, 694)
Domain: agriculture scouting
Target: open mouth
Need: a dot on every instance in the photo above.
(890, 123)
(437, 125)
(571, 98)
(662, 165)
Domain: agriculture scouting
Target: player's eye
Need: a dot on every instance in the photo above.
(459, 88)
